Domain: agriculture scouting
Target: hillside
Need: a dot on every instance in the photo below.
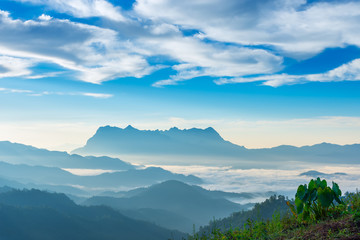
(37, 215)
(261, 211)
(176, 198)
(319, 212)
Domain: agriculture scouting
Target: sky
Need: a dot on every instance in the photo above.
(262, 73)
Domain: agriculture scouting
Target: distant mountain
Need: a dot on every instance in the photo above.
(48, 176)
(22, 154)
(210, 193)
(194, 141)
(69, 190)
(37, 215)
(316, 174)
(191, 144)
(180, 199)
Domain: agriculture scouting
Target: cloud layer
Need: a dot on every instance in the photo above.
(232, 40)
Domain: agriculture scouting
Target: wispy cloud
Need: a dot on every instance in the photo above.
(47, 93)
(98, 95)
(12, 90)
(94, 54)
(83, 8)
(203, 59)
(228, 40)
(346, 72)
(15, 67)
(294, 27)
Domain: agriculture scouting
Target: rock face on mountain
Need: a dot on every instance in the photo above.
(129, 140)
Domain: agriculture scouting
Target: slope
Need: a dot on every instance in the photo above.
(175, 197)
(33, 214)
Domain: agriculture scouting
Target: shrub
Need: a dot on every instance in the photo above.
(315, 201)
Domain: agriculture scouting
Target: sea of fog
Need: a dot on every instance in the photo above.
(254, 180)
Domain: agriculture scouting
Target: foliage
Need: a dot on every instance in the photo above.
(315, 201)
(340, 221)
(273, 206)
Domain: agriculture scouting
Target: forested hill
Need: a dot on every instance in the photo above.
(38, 215)
(261, 211)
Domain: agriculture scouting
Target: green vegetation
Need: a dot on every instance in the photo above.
(316, 201)
(318, 212)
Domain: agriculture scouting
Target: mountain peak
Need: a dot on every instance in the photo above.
(129, 127)
(210, 129)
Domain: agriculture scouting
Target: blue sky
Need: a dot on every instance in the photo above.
(262, 73)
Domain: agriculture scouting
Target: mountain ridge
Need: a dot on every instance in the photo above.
(207, 143)
(174, 140)
(174, 197)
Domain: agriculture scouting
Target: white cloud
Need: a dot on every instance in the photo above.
(346, 72)
(294, 28)
(230, 40)
(83, 8)
(205, 59)
(98, 95)
(12, 90)
(283, 180)
(44, 75)
(95, 53)
(46, 93)
(45, 17)
(15, 67)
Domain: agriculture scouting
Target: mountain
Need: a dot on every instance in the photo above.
(194, 141)
(232, 196)
(205, 146)
(136, 178)
(23, 154)
(176, 198)
(53, 177)
(38, 215)
(315, 174)
(69, 190)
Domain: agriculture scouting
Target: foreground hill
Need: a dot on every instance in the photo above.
(206, 143)
(313, 215)
(261, 211)
(37, 215)
(185, 204)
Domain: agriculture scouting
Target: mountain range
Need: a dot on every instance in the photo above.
(114, 140)
(185, 205)
(52, 177)
(16, 153)
(205, 146)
